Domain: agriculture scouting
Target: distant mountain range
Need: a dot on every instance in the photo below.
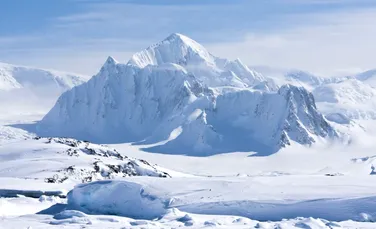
(37, 80)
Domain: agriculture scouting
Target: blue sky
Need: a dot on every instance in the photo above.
(322, 36)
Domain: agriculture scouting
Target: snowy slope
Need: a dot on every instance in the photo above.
(298, 77)
(368, 77)
(352, 98)
(70, 219)
(146, 199)
(177, 93)
(281, 76)
(294, 196)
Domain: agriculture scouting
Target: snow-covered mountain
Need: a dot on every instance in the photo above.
(36, 80)
(177, 95)
(27, 90)
(298, 77)
(341, 99)
(351, 98)
(368, 77)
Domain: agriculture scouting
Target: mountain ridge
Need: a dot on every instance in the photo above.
(164, 99)
(18, 77)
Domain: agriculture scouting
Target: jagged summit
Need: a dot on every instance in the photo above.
(111, 61)
(177, 37)
(210, 70)
(109, 64)
(174, 36)
(176, 48)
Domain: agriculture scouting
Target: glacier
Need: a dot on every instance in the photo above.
(175, 97)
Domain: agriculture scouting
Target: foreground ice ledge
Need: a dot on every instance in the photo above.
(146, 199)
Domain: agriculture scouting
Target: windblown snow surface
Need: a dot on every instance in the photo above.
(179, 138)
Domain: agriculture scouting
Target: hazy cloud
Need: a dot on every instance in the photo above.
(323, 36)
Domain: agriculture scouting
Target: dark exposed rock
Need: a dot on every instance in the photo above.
(108, 163)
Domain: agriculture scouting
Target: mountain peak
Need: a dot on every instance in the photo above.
(181, 39)
(110, 61)
(175, 36)
(109, 64)
(176, 48)
(178, 38)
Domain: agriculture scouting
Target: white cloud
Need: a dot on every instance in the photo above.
(86, 62)
(84, 16)
(327, 44)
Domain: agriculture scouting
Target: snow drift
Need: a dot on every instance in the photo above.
(117, 198)
(149, 200)
(175, 93)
